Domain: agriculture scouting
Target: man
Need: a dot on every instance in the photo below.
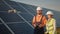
(39, 22)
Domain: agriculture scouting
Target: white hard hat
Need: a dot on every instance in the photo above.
(49, 12)
(39, 8)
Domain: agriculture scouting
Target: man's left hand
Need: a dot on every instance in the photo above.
(40, 25)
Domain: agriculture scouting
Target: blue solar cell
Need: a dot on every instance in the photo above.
(22, 28)
(4, 30)
(10, 17)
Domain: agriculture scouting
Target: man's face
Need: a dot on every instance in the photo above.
(39, 11)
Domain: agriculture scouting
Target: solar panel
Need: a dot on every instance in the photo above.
(19, 22)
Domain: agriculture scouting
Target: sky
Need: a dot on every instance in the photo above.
(50, 4)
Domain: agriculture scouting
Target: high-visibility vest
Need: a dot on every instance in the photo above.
(50, 25)
(35, 20)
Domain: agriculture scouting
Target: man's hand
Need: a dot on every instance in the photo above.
(34, 25)
(40, 25)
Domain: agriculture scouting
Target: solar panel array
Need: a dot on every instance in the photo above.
(19, 22)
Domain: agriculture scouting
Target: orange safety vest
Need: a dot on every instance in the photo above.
(38, 19)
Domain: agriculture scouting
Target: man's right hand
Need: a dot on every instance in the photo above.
(34, 25)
